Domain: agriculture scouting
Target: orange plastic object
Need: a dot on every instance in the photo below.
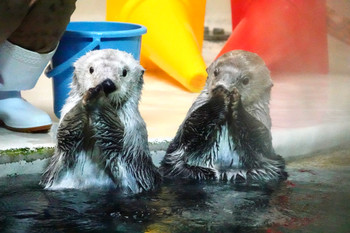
(290, 35)
(174, 36)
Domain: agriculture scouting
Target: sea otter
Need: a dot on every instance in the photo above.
(226, 133)
(101, 135)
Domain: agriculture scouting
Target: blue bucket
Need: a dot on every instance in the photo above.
(82, 37)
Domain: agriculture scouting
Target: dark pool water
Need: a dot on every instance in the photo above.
(310, 201)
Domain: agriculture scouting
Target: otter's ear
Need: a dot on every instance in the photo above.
(75, 82)
(207, 69)
(269, 86)
(142, 71)
(210, 67)
(139, 68)
(271, 83)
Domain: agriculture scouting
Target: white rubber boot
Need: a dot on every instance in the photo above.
(19, 70)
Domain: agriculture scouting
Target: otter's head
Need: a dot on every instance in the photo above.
(99, 65)
(243, 70)
(248, 73)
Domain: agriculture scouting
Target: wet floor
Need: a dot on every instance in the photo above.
(315, 198)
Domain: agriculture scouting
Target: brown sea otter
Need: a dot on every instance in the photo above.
(226, 133)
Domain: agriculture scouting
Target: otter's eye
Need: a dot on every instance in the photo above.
(216, 72)
(91, 70)
(125, 72)
(245, 80)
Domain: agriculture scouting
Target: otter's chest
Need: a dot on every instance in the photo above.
(226, 156)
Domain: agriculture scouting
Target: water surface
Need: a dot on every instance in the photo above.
(311, 200)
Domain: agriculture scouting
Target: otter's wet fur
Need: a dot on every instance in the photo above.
(226, 133)
(101, 126)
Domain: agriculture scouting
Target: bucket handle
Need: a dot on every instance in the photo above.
(51, 72)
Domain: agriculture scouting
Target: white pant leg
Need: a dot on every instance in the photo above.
(20, 68)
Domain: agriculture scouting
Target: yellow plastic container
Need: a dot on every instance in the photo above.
(174, 35)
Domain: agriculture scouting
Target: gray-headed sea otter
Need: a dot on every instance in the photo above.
(101, 134)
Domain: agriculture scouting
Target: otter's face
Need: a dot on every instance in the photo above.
(120, 67)
(243, 70)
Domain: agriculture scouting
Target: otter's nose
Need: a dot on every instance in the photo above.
(108, 86)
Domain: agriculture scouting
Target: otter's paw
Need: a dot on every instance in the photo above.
(92, 94)
(203, 173)
(221, 92)
(236, 101)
